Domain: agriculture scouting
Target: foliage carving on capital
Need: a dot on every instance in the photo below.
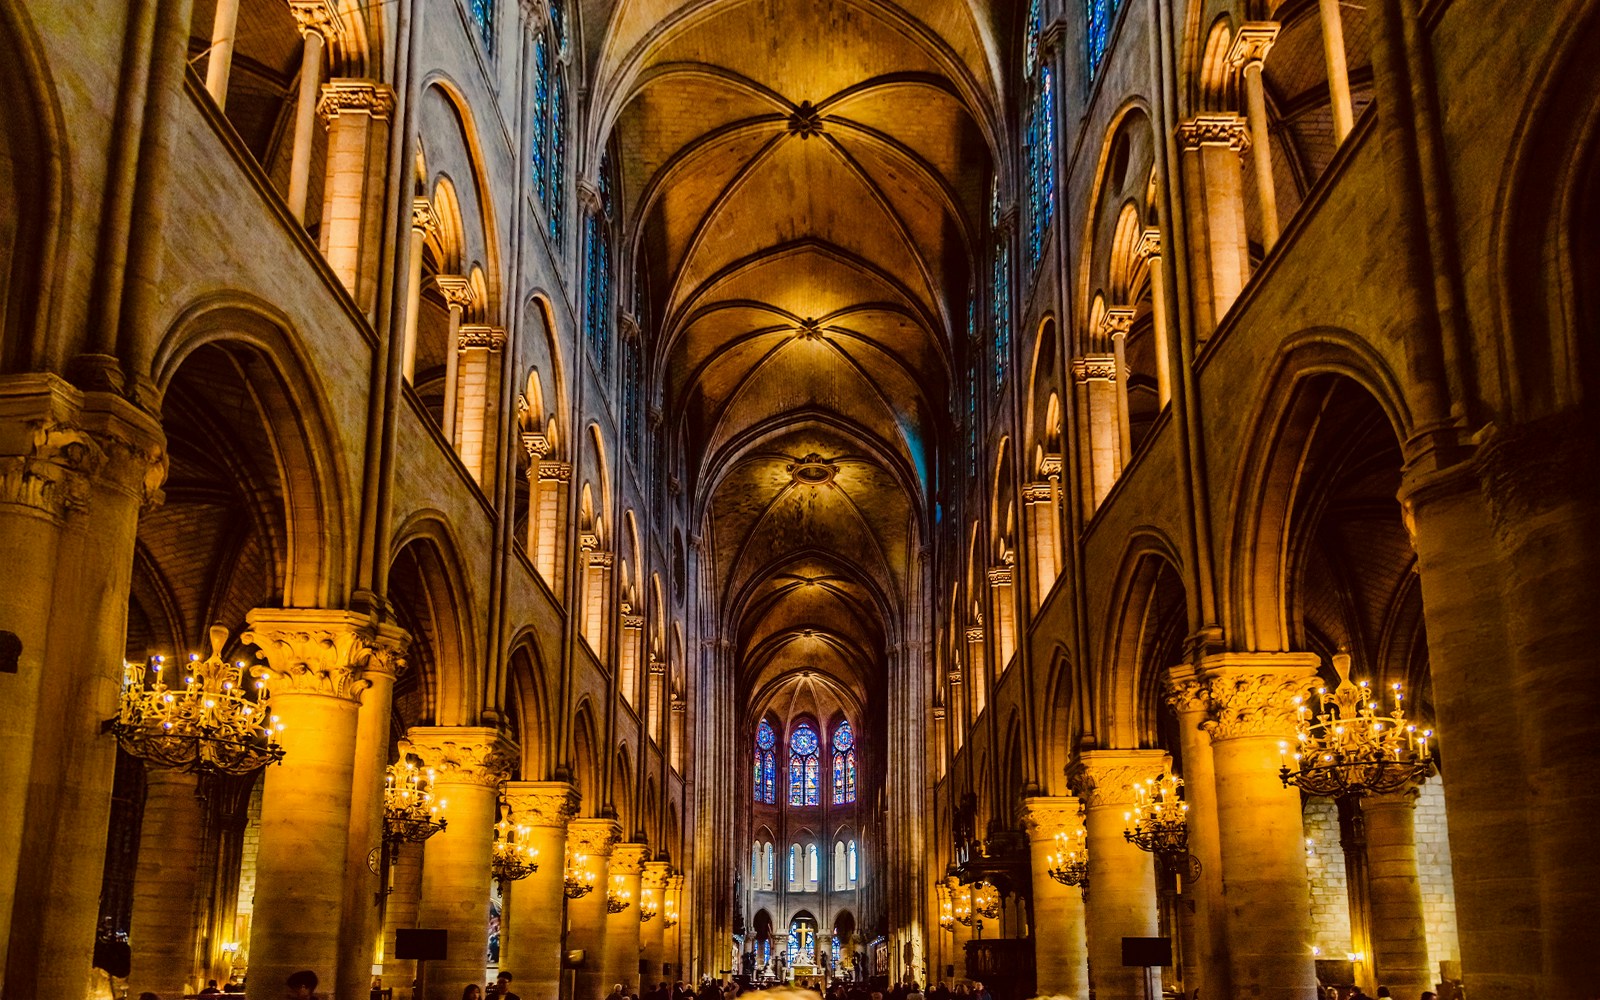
(629, 858)
(1185, 691)
(1252, 43)
(334, 653)
(1105, 778)
(456, 289)
(1215, 129)
(348, 95)
(1094, 368)
(657, 874)
(55, 472)
(1256, 699)
(464, 755)
(423, 218)
(542, 803)
(480, 337)
(593, 837)
(1043, 818)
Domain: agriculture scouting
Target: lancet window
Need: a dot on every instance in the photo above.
(844, 764)
(766, 783)
(805, 767)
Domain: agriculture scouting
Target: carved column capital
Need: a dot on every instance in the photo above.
(657, 874)
(423, 218)
(1043, 817)
(535, 445)
(628, 859)
(354, 96)
(1117, 321)
(1215, 129)
(1034, 493)
(315, 15)
(1253, 694)
(975, 633)
(589, 199)
(456, 289)
(633, 622)
(58, 445)
(554, 472)
(999, 576)
(545, 804)
(1252, 43)
(1105, 778)
(333, 653)
(464, 755)
(1186, 691)
(594, 837)
(1094, 368)
(480, 337)
(1149, 245)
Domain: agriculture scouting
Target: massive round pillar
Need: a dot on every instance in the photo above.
(1061, 956)
(530, 947)
(593, 840)
(1122, 881)
(622, 928)
(1399, 928)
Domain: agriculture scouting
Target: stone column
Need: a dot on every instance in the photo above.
(628, 652)
(655, 692)
(531, 946)
(1399, 930)
(1264, 881)
(316, 20)
(1122, 879)
(1005, 616)
(1099, 428)
(1114, 328)
(652, 934)
(362, 928)
(1040, 499)
(622, 929)
(166, 889)
(679, 731)
(219, 63)
(478, 387)
(960, 934)
(458, 296)
(586, 916)
(550, 558)
(405, 876)
(75, 470)
(1338, 69)
(319, 660)
(1250, 48)
(1213, 144)
(357, 114)
(469, 762)
(1149, 250)
(1207, 962)
(597, 585)
(423, 222)
(673, 931)
(1062, 957)
(977, 670)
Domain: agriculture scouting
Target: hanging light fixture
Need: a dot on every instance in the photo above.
(1069, 865)
(670, 918)
(961, 909)
(219, 721)
(985, 900)
(410, 813)
(577, 877)
(618, 898)
(1159, 823)
(512, 859)
(648, 908)
(1347, 748)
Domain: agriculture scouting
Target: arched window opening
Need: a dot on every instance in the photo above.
(840, 866)
(767, 858)
(1100, 15)
(813, 864)
(597, 273)
(844, 764)
(804, 767)
(766, 784)
(483, 17)
(1000, 289)
(558, 155)
(539, 131)
(1040, 139)
(794, 863)
(854, 863)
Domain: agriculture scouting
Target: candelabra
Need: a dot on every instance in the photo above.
(1069, 865)
(578, 878)
(1159, 823)
(961, 910)
(617, 897)
(219, 722)
(648, 908)
(985, 900)
(947, 913)
(410, 814)
(512, 859)
(670, 918)
(1348, 749)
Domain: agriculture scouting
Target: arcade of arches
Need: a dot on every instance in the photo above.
(794, 465)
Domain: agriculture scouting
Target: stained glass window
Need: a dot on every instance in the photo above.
(972, 385)
(538, 157)
(1039, 139)
(855, 862)
(766, 785)
(558, 160)
(755, 862)
(483, 14)
(813, 865)
(844, 764)
(1101, 13)
(597, 297)
(631, 378)
(999, 289)
(558, 21)
(804, 767)
(794, 861)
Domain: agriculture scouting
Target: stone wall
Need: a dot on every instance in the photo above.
(1433, 871)
(1330, 895)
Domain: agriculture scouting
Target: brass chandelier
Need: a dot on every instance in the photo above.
(512, 860)
(410, 813)
(648, 908)
(577, 879)
(618, 898)
(1069, 865)
(1159, 823)
(985, 900)
(219, 721)
(670, 919)
(1348, 747)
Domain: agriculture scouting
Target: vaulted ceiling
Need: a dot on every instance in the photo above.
(804, 184)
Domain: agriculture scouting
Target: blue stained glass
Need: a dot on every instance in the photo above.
(558, 160)
(769, 777)
(1002, 312)
(483, 13)
(1041, 137)
(541, 115)
(844, 764)
(804, 767)
(972, 387)
(1035, 26)
(558, 21)
(1100, 14)
(765, 737)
